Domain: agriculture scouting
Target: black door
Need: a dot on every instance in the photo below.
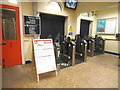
(84, 28)
(52, 25)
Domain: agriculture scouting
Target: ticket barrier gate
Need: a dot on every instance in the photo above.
(99, 45)
(80, 50)
(72, 53)
(90, 46)
(66, 52)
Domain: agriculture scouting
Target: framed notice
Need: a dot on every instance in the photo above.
(44, 56)
(32, 25)
(101, 23)
(106, 26)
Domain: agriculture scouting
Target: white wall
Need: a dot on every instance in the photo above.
(26, 9)
(84, 7)
(108, 13)
(111, 44)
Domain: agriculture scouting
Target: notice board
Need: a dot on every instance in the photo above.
(106, 26)
(44, 55)
(31, 25)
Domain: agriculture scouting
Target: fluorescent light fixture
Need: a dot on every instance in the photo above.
(13, 1)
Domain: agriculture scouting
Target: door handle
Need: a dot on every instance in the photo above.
(10, 44)
(2, 43)
(3, 63)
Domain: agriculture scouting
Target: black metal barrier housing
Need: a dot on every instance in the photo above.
(90, 46)
(99, 45)
(81, 50)
(66, 53)
(74, 52)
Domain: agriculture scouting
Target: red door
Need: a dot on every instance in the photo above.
(11, 44)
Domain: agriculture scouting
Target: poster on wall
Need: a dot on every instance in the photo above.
(110, 26)
(44, 55)
(106, 26)
(31, 25)
(101, 23)
(70, 30)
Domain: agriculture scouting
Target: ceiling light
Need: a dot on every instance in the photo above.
(13, 1)
(53, 6)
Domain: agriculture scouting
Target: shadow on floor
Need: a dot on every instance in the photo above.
(15, 75)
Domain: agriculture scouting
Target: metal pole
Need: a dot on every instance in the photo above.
(85, 53)
(92, 49)
(73, 56)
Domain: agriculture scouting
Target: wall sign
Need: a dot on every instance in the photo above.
(31, 25)
(106, 26)
(70, 30)
(44, 55)
(101, 23)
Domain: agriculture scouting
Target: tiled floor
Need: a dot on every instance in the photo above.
(98, 72)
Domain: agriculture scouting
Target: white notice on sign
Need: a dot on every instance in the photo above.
(44, 55)
(110, 26)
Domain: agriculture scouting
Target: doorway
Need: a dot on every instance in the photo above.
(52, 25)
(84, 28)
(11, 43)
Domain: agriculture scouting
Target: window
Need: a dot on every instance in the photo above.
(9, 25)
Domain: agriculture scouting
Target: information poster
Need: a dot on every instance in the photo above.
(101, 23)
(70, 30)
(110, 26)
(106, 26)
(32, 25)
(44, 55)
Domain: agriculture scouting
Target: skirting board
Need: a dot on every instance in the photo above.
(112, 53)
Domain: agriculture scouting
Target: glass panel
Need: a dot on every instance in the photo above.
(9, 25)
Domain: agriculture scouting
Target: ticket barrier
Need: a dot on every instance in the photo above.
(66, 52)
(81, 50)
(72, 54)
(99, 45)
(90, 46)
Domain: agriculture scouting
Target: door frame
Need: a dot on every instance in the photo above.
(21, 32)
(90, 26)
(66, 20)
(91, 19)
